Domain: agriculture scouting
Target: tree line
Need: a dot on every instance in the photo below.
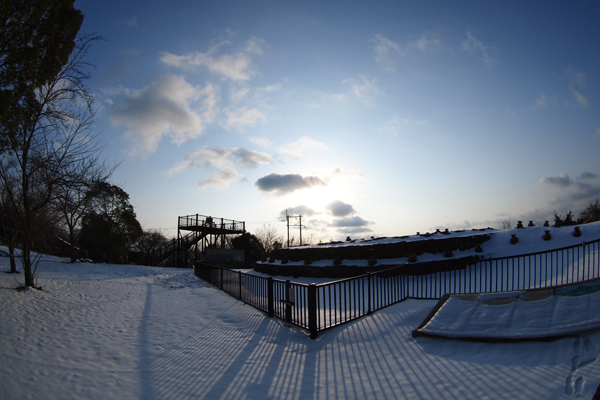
(55, 187)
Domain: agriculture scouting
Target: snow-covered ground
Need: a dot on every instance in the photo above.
(128, 332)
(530, 240)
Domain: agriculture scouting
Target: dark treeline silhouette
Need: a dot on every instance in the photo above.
(590, 214)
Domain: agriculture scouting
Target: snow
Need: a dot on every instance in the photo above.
(130, 332)
(530, 241)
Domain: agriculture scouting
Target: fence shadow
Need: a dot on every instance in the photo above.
(212, 346)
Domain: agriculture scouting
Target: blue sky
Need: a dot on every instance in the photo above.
(367, 118)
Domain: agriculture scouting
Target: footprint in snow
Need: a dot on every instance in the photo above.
(574, 386)
(582, 347)
(579, 382)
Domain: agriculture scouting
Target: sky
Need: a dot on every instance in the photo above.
(366, 118)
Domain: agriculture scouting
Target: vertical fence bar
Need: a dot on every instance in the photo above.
(288, 301)
(270, 308)
(312, 310)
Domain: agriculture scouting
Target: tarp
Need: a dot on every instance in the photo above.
(510, 316)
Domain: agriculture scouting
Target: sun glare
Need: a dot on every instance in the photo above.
(315, 198)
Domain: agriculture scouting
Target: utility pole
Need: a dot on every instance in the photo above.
(300, 224)
(287, 220)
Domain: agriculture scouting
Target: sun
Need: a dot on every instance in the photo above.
(318, 198)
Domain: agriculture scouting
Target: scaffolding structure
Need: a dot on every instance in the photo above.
(195, 234)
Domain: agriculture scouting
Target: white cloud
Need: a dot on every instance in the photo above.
(297, 148)
(303, 210)
(236, 66)
(339, 172)
(254, 46)
(588, 175)
(355, 231)
(283, 184)
(338, 208)
(349, 222)
(576, 78)
(363, 88)
(580, 98)
(544, 101)
(208, 156)
(168, 106)
(478, 49)
(243, 117)
(222, 178)
(272, 88)
(230, 66)
(562, 180)
(577, 82)
(396, 125)
(261, 141)
(573, 190)
(387, 50)
(239, 94)
(424, 44)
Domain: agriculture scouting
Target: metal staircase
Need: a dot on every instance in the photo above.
(202, 231)
(177, 248)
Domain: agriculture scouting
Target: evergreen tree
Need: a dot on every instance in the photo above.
(110, 228)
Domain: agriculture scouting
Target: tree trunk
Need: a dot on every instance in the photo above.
(72, 242)
(13, 263)
(26, 257)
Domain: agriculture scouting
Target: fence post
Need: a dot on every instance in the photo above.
(312, 310)
(240, 282)
(369, 310)
(288, 301)
(270, 308)
(583, 246)
(221, 286)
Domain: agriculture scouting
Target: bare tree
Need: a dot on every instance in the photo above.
(72, 200)
(149, 242)
(590, 214)
(268, 236)
(293, 241)
(505, 224)
(52, 137)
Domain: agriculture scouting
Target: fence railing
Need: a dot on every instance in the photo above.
(197, 220)
(323, 306)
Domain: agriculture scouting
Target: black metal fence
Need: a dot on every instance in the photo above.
(323, 306)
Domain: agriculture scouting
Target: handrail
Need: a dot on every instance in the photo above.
(197, 220)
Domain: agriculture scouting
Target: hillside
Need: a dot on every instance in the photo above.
(432, 251)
